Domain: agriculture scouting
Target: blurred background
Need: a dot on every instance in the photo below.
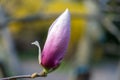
(94, 48)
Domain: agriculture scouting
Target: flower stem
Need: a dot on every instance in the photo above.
(34, 75)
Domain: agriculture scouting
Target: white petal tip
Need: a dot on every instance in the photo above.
(35, 43)
(66, 13)
(67, 10)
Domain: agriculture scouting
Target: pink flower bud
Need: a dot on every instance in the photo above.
(57, 41)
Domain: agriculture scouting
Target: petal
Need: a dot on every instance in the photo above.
(57, 41)
(61, 19)
(38, 45)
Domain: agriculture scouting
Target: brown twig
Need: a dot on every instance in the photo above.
(34, 75)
